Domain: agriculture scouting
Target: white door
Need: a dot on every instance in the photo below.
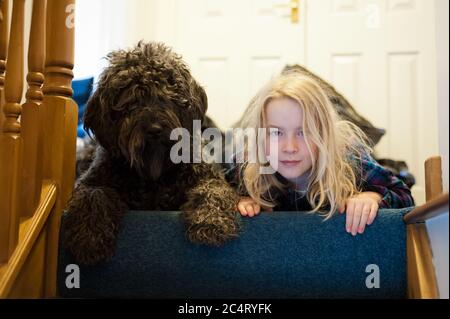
(235, 46)
(381, 55)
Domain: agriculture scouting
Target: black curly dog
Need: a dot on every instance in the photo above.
(141, 97)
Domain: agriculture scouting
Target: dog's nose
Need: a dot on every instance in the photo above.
(154, 129)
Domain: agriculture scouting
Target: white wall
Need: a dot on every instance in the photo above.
(438, 227)
(438, 233)
(105, 25)
(164, 17)
(89, 40)
(442, 25)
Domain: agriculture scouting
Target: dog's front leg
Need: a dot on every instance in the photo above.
(210, 212)
(92, 223)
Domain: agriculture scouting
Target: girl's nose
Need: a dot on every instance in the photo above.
(290, 146)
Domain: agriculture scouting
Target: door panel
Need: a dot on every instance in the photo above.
(234, 47)
(381, 55)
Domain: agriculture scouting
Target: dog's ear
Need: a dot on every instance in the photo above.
(97, 120)
(200, 99)
(92, 114)
(204, 100)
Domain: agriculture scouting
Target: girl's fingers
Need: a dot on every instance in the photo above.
(250, 210)
(364, 218)
(373, 214)
(357, 213)
(257, 209)
(349, 218)
(341, 208)
(248, 207)
(242, 210)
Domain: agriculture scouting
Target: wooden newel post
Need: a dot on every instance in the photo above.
(60, 48)
(60, 116)
(433, 177)
(10, 140)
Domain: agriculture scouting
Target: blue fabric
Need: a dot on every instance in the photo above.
(278, 255)
(82, 90)
(80, 131)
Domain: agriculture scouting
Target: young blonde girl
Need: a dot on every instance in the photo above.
(322, 163)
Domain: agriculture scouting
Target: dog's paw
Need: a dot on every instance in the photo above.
(86, 256)
(214, 231)
(90, 244)
(91, 225)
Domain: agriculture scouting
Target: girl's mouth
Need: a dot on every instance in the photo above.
(290, 163)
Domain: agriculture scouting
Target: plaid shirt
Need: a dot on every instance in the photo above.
(376, 178)
(372, 177)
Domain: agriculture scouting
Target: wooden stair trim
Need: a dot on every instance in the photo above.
(421, 274)
(433, 208)
(29, 231)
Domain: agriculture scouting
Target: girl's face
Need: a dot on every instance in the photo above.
(284, 118)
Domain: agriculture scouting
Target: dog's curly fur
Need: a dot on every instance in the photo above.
(141, 96)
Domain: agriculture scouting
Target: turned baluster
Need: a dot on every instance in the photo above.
(11, 140)
(31, 115)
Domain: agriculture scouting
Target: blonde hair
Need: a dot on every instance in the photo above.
(339, 144)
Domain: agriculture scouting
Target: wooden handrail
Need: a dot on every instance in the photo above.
(433, 208)
(30, 230)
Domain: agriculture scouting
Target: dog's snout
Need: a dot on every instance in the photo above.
(155, 129)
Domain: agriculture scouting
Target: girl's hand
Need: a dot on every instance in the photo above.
(248, 207)
(361, 211)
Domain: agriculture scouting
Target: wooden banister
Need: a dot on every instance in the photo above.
(420, 268)
(11, 141)
(31, 115)
(29, 256)
(433, 177)
(430, 209)
(29, 270)
(60, 113)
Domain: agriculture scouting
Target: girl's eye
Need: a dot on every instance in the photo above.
(300, 133)
(275, 133)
